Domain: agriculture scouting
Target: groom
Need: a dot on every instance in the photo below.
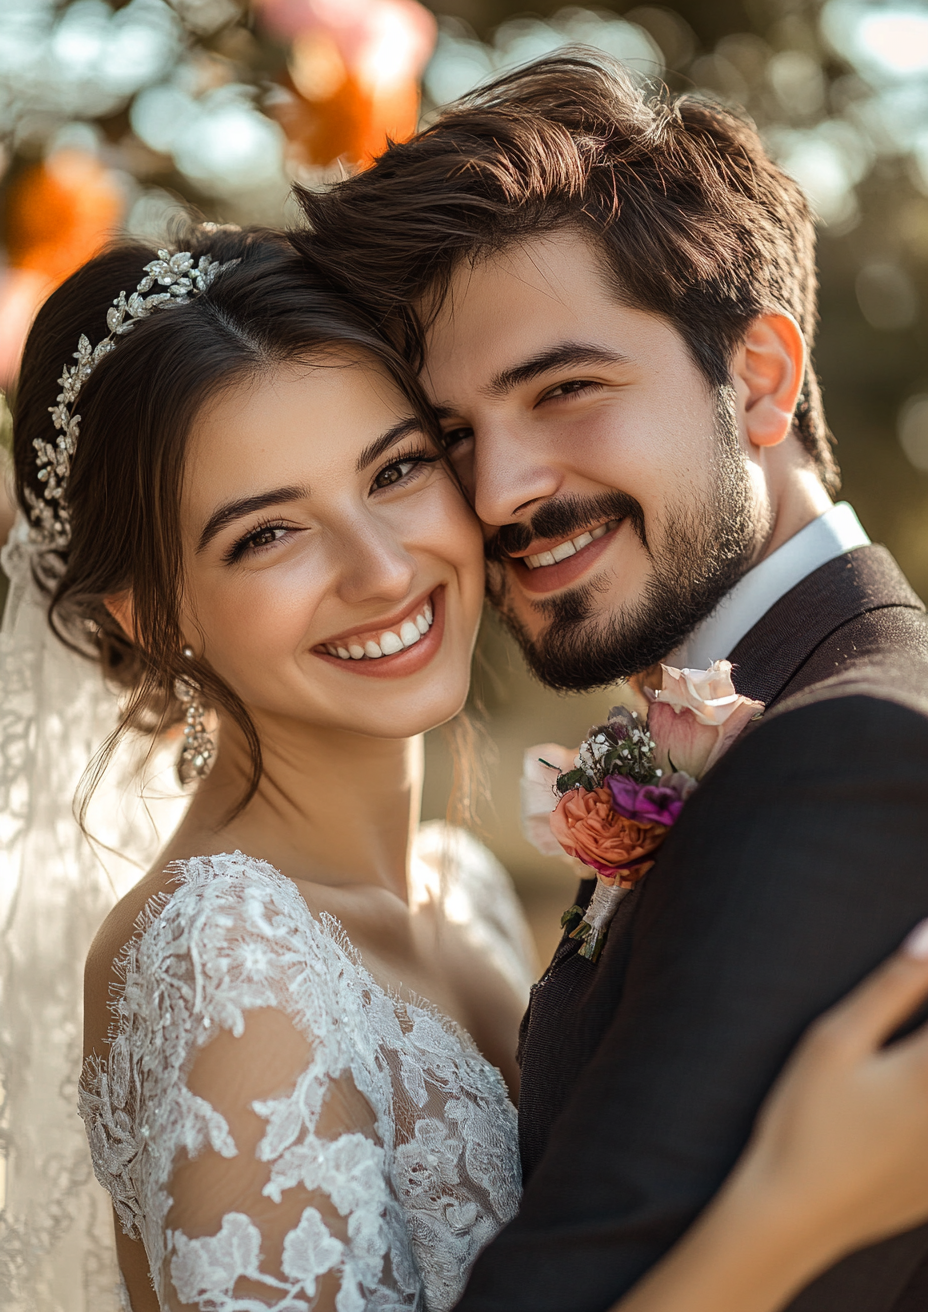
(613, 306)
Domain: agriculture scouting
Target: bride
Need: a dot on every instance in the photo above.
(298, 1082)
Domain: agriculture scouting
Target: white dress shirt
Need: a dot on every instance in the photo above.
(836, 531)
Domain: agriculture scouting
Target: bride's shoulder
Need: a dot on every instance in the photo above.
(205, 907)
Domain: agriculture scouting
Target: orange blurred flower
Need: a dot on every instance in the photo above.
(354, 73)
(58, 214)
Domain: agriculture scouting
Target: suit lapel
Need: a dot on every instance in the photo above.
(768, 656)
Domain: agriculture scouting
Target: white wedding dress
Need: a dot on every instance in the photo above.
(387, 1156)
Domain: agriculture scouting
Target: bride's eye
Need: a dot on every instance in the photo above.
(257, 540)
(402, 470)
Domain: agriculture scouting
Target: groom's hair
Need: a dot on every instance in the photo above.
(695, 221)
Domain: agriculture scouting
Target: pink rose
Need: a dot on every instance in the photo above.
(696, 716)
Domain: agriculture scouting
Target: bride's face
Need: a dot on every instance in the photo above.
(334, 572)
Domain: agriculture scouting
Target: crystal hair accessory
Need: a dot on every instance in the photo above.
(180, 279)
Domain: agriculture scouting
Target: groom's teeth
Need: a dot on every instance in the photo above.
(565, 549)
(390, 643)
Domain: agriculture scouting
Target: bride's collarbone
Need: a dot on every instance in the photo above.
(413, 951)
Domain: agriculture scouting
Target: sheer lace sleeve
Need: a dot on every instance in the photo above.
(243, 1118)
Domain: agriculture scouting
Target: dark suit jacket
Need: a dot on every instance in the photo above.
(798, 865)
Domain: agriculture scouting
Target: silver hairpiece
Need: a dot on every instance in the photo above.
(51, 521)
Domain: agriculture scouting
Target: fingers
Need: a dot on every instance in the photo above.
(866, 1018)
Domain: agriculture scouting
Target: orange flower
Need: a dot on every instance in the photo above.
(587, 827)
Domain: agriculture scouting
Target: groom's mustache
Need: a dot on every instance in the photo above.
(565, 517)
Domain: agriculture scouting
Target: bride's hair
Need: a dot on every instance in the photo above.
(136, 411)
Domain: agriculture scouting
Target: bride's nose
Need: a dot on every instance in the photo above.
(374, 564)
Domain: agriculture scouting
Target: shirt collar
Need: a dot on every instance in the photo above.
(836, 531)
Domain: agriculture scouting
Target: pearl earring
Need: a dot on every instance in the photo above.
(199, 747)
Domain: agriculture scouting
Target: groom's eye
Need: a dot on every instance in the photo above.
(566, 389)
(453, 437)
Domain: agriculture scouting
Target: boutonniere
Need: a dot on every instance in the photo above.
(628, 784)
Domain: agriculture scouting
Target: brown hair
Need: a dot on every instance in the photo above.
(136, 411)
(695, 221)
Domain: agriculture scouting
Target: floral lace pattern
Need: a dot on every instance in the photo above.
(385, 1159)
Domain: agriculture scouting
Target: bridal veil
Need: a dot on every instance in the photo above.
(56, 886)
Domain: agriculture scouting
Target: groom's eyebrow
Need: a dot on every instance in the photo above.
(565, 355)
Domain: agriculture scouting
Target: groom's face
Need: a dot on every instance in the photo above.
(614, 484)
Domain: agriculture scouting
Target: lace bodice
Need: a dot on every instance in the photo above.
(280, 1131)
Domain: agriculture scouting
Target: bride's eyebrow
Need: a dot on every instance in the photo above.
(233, 510)
(374, 450)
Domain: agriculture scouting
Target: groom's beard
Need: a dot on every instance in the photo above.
(704, 549)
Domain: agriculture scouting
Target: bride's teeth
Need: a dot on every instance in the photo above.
(409, 633)
(390, 643)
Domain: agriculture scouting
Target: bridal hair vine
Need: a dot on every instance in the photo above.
(180, 279)
(628, 785)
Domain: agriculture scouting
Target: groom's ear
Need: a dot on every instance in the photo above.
(767, 372)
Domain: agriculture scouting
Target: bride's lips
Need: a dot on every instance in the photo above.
(402, 663)
(548, 578)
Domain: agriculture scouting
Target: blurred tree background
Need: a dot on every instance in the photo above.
(115, 115)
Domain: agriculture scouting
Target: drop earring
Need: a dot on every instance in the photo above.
(199, 747)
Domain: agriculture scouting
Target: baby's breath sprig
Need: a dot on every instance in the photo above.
(622, 745)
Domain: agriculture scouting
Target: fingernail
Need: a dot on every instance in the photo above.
(916, 944)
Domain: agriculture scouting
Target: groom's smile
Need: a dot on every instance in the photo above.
(616, 490)
(552, 563)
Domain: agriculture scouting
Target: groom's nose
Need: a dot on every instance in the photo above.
(512, 475)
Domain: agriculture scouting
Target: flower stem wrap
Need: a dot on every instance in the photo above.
(598, 917)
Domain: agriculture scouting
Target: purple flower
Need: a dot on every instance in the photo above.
(646, 803)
